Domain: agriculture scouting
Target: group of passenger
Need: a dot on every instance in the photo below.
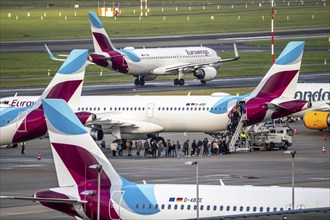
(168, 148)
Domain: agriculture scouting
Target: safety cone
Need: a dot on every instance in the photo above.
(323, 150)
(295, 132)
(325, 137)
(39, 157)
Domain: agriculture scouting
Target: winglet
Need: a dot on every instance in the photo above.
(236, 52)
(51, 55)
(231, 59)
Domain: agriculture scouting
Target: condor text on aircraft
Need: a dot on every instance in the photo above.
(104, 194)
(148, 63)
(318, 117)
(141, 117)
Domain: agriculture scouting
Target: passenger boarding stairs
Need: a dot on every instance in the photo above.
(233, 147)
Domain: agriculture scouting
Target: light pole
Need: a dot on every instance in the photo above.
(293, 155)
(192, 163)
(90, 193)
(99, 170)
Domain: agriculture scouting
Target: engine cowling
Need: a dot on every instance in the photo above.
(317, 120)
(96, 134)
(85, 117)
(149, 77)
(206, 74)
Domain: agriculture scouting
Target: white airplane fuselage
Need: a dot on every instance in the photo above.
(155, 114)
(157, 60)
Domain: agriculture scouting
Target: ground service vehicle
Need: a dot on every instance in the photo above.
(270, 138)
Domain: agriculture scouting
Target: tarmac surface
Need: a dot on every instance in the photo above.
(165, 86)
(22, 175)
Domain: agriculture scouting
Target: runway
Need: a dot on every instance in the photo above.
(164, 86)
(221, 42)
(22, 175)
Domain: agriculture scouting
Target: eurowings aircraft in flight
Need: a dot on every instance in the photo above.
(104, 194)
(23, 123)
(148, 63)
(141, 117)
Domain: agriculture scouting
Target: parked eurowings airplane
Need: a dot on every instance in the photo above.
(146, 64)
(141, 117)
(28, 122)
(75, 152)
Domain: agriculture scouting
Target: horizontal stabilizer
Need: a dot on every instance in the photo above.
(275, 106)
(50, 200)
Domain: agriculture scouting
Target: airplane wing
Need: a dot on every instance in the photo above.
(51, 55)
(108, 121)
(50, 200)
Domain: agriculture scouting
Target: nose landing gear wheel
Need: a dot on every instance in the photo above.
(179, 82)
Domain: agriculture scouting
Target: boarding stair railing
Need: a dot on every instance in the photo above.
(240, 127)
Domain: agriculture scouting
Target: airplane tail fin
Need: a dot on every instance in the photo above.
(101, 40)
(74, 150)
(285, 72)
(68, 81)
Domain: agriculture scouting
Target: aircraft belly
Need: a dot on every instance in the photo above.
(140, 68)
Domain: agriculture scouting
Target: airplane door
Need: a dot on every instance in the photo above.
(231, 104)
(150, 110)
(18, 122)
(115, 203)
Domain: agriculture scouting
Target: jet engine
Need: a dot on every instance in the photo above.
(206, 74)
(317, 120)
(96, 134)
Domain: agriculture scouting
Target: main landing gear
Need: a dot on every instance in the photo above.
(157, 139)
(179, 82)
(139, 81)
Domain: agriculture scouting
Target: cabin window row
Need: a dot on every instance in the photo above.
(190, 109)
(210, 208)
(112, 109)
(173, 57)
(143, 108)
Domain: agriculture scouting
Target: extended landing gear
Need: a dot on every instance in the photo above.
(139, 81)
(179, 82)
(157, 139)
